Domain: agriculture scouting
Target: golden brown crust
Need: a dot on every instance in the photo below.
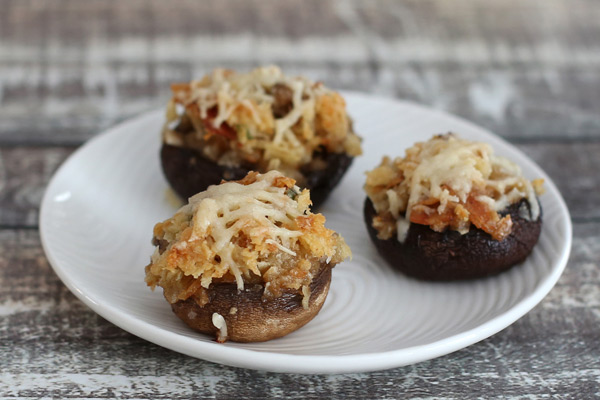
(248, 316)
(448, 183)
(260, 226)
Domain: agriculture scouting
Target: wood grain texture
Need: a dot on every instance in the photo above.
(54, 346)
(24, 174)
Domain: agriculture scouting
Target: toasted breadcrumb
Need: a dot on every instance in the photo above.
(258, 229)
(448, 183)
(261, 117)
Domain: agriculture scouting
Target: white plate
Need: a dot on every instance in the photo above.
(99, 209)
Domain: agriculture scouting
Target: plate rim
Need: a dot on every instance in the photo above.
(307, 364)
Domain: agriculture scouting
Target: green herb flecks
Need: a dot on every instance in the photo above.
(292, 194)
(243, 132)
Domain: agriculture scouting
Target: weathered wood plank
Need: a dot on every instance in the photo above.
(573, 167)
(24, 174)
(27, 170)
(517, 103)
(71, 69)
(560, 28)
(53, 346)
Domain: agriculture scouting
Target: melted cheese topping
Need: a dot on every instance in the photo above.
(261, 117)
(448, 182)
(258, 229)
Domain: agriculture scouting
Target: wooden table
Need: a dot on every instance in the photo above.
(529, 70)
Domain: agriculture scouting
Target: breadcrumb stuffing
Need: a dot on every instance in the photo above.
(256, 230)
(448, 183)
(262, 118)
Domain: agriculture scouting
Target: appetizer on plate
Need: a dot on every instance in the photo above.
(227, 123)
(451, 209)
(246, 260)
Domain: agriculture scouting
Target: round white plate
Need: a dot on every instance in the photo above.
(99, 210)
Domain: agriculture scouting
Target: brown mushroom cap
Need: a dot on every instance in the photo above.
(189, 172)
(448, 255)
(248, 316)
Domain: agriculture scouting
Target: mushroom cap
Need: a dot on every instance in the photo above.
(446, 256)
(189, 172)
(248, 316)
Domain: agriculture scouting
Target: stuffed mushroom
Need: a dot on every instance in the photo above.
(451, 209)
(246, 260)
(228, 123)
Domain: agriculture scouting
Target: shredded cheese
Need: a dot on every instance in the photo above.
(261, 117)
(448, 182)
(259, 228)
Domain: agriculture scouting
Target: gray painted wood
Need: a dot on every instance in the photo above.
(24, 174)
(524, 68)
(528, 70)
